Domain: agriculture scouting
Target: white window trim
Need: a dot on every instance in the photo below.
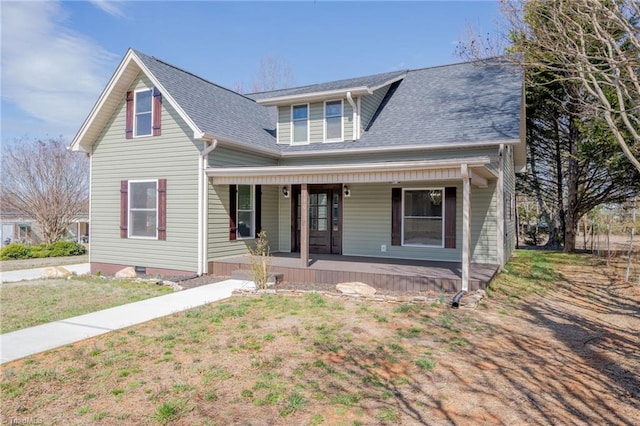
(293, 142)
(324, 121)
(253, 216)
(135, 114)
(442, 217)
(130, 222)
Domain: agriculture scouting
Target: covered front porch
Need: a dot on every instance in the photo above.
(401, 275)
(366, 236)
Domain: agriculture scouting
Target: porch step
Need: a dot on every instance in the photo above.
(245, 275)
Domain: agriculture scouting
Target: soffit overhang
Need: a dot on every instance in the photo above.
(393, 171)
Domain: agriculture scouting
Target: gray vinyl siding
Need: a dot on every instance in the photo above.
(284, 124)
(347, 120)
(270, 215)
(391, 156)
(219, 244)
(367, 224)
(230, 157)
(484, 229)
(369, 105)
(172, 156)
(284, 217)
(509, 204)
(316, 122)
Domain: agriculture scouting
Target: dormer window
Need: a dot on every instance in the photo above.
(300, 119)
(143, 113)
(333, 121)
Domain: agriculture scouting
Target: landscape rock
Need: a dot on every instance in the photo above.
(356, 288)
(55, 272)
(129, 272)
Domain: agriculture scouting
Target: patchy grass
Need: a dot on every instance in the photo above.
(317, 360)
(29, 303)
(536, 272)
(14, 265)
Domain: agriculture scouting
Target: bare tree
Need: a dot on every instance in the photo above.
(47, 182)
(594, 43)
(273, 73)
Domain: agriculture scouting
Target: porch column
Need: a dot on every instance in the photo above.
(304, 225)
(466, 227)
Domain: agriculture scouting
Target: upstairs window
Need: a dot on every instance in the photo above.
(143, 113)
(300, 118)
(333, 121)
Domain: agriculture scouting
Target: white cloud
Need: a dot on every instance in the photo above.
(111, 7)
(48, 71)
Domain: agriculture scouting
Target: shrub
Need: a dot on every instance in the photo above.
(66, 248)
(15, 251)
(59, 248)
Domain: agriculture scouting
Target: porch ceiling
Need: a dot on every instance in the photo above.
(401, 171)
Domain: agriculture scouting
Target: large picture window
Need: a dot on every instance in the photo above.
(143, 209)
(333, 121)
(143, 113)
(422, 223)
(245, 212)
(300, 118)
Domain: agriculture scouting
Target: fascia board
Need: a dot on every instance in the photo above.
(76, 144)
(386, 149)
(354, 167)
(314, 96)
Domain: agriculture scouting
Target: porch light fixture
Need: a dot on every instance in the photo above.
(435, 197)
(346, 191)
(285, 192)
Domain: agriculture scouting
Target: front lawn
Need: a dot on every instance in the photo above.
(519, 358)
(28, 303)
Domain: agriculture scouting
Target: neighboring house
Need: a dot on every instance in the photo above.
(408, 165)
(18, 228)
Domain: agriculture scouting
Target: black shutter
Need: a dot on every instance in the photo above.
(450, 217)
(233, 208)
(258, 207)
(396, 216)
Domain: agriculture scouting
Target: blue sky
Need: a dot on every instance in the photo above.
(58, 56)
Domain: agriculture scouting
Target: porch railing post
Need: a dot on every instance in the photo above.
(304, 225)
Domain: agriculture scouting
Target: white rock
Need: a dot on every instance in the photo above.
(55, 272)
(356, 288)
(129, 272)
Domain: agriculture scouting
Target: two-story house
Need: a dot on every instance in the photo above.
(400, 170)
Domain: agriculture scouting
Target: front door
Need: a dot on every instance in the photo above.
(325, 219)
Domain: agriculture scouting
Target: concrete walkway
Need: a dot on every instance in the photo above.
(22, 343)
(33, 274)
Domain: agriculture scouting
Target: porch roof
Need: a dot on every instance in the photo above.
(391, 171)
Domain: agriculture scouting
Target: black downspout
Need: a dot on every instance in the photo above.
(455, 303)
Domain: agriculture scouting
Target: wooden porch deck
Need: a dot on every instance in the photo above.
(400, 275)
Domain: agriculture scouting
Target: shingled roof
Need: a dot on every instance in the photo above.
(371, 81)
(215, 109)
(472, 102)
(467, 103)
